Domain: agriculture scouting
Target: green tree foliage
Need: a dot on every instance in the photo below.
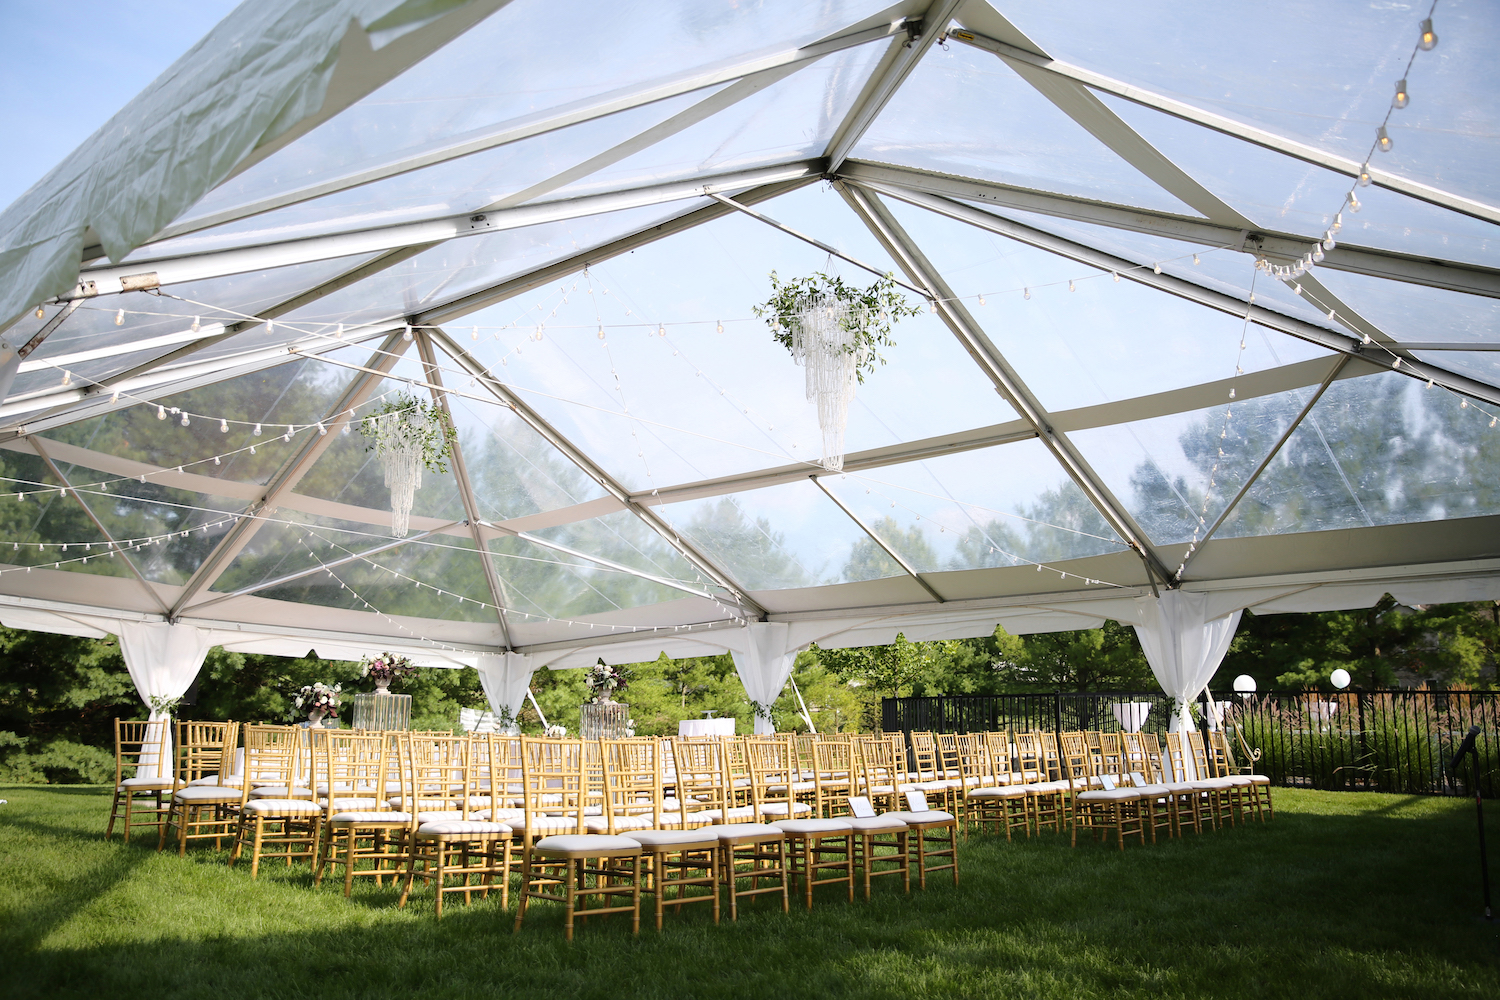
(887, 670)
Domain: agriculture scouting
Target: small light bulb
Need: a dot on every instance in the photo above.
(1329, 242)
(1330, 314)
(195, 325)
(321, 429)
(270, 328)
(474, 333)
(718, 328)
(1365, 339)
(1463, 404)
(1071, 286)
(67, 378)
(1026, 292)
(41, 313)
(1364, 177)
(1157, 268)
(1354, 205)
(661, 329)
(1402, 98)
(223, 426)
(120, 318)
(161, 413)
(981, 300)
(288, 435)
(1115, 275)
(1383, 139)
(185, 420)
(256, 431)
(1297, 289)
(1428, 40)
(1196, 262)
(1396, 363)
(406, 333)
(1317, 253)
(339, 333)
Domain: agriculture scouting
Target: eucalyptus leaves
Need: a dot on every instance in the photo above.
(408, 435)
(835, 331)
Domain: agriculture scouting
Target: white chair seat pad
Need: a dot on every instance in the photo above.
(1110, 795)
(672, 838)
(589, 845)
(600, 824)
(206, 793)
(779, 808)
(998, 792)
(282, 807)
(739, 814)
(875, 824)
(813, 827)
(280, 792)
(371, 817)
(149, 784)
(226, 780)
(463, 827)
(542, 824)
(1258, 779)
(1046, 787)
(932, 817)
(352, 804)
(745, 831)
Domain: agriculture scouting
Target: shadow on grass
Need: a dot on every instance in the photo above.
(1376, 900)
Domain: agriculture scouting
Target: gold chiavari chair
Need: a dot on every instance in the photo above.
(1002, 804)
(1047, 797)
(1098, 809)
(834, 776)
(678, 860)
(556, 867)
(355, 771)
(1194, 804)
(931, 775)
(472, 841)
(142, 774)
(1225, 791)
(201, 808)
(821, 851)
(1158, 804)
(881, 847)
(1247, 780)
(273, 757)
(932, 839)
(882, 771)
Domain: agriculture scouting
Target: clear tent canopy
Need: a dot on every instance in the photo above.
(559, 236)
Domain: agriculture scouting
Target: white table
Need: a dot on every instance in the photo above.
(705, 727)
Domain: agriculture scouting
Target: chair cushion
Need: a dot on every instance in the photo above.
(590, 845)
(227, 780)
(812, 827)
(347, 805)
(206, 793)
(932, 817)
(382, 817)
(875, 824)
(998, 792)
(744, 831)
(148, 784)
(779, 808)
(280, 792)
(464, 827)
(739, 814)
(1047, 787)
(1110, 795)
(1211, 784)
(282, 807)
(600, 824)
(672, 838)
(1258, 779)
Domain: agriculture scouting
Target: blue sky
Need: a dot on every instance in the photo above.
(66, 66)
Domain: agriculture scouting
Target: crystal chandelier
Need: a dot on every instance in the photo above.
(824, 342)
(399, 441)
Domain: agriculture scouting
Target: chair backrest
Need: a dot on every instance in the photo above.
(1200, 754)
(142, 749)
(554, 782)
(1029, 756)
(435, 773)
(1220, 759)
(632, 780)
(1076, 761)
(1051, 766)
(702, 780)
(973, 760)
(204, 750)
(1151, 755)
(924, 751)
(1175, 759)
(352, 768)
(773, 770)
(998, 752)
(273, 756)
(881, 764)
(1110, 755)
(736, 770)
(834, 775)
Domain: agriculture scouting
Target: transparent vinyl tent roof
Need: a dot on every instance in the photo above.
(1115, 384)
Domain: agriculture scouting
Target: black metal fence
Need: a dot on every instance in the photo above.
(1386, 740)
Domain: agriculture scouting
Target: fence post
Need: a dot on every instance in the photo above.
(1057, 711)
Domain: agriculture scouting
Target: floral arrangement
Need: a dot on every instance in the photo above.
(604, 682)
(385, 668)
(866, 313)
(318, 697)
(556, 732)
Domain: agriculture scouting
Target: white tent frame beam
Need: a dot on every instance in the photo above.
(1456, 276)
(890, 72)
(899, 245)
(460, 470)
(115, 547)
(550, 121)
(286, 479)
(1022, 61)
(1344, 343)
(896, 557)
(522, 409)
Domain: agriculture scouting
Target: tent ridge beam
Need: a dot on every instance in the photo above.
(896, 556)
(522, 409)
(291, 473)
(1473, 279)
(99, 525)
(465, 489)
(1017, 57)
(989, 359)
(1344, 343)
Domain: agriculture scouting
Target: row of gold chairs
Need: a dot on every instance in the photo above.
(589, 824)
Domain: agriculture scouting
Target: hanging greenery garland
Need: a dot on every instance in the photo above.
(408, 435)
(835, 331)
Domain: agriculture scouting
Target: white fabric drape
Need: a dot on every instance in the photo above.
(163, 660)
(505, 678)
(1182, 646)
(764, 662)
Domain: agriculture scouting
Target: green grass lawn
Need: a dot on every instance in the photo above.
(1343, 894)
